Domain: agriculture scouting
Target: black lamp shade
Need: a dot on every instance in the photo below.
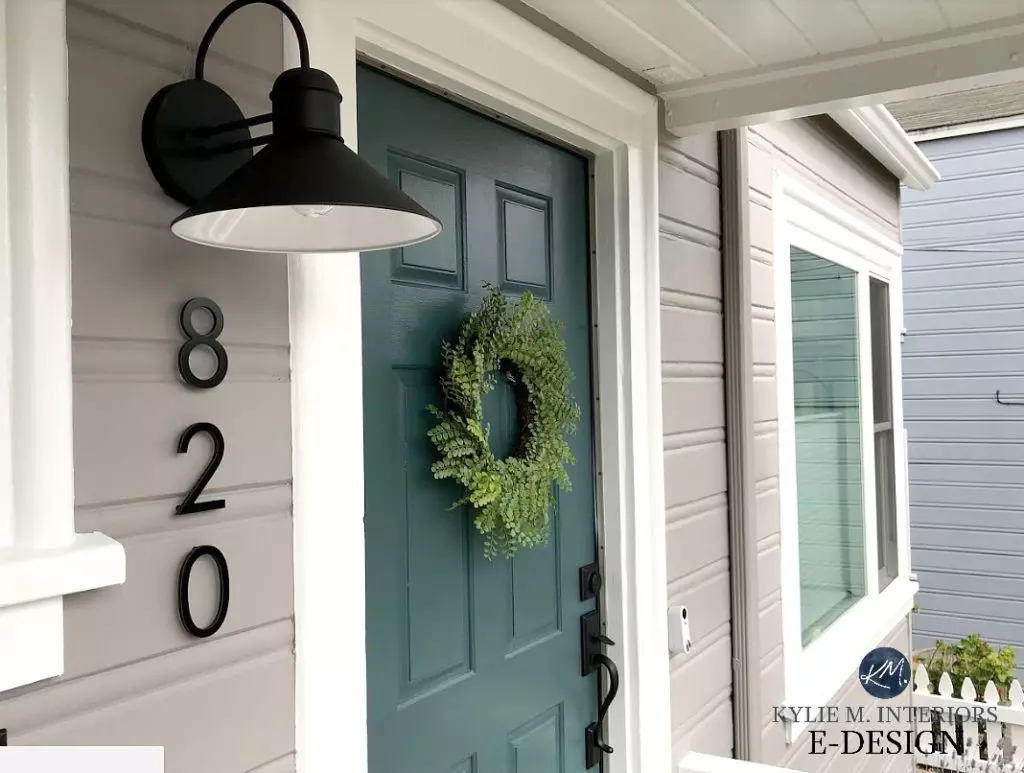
(306, 193)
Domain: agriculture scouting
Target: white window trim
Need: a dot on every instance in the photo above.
(814, 674)
(42, 559)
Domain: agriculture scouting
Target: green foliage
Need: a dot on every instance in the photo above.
(972, 657)
(512, 496)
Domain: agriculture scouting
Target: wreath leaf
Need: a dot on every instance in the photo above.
(512, 496)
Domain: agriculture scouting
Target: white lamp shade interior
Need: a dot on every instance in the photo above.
(306, 228)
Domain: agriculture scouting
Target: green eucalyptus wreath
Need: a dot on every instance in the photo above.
(512, 496)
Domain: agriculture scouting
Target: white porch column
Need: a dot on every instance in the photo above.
(40, 273)
(41, 557)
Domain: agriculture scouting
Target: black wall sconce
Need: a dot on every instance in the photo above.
(306, 191)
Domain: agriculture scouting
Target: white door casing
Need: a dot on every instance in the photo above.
(486, 54)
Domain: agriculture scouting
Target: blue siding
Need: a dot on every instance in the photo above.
(964, 316)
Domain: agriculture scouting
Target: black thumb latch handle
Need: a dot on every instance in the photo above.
(613, 685)
(593, 640)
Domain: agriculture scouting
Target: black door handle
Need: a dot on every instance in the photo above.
(613, 685)
(591, 641)
(596, 745)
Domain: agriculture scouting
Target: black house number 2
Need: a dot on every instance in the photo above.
(190, 504)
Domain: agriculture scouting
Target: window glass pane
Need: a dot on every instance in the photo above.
(881, 373)
(828, 454)
(885, 501)
(885, 460)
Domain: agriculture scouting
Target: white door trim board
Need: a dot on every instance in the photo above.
(41, 557)
(483, 52)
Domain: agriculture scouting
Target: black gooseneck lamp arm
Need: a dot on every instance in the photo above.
(230, 8)
(200, 70)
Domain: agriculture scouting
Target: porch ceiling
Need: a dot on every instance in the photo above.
(724, 63)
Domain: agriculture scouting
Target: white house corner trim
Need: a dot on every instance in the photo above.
(882, 136)
(655, 717)
(42, 559)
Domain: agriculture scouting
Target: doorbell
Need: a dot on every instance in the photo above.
(679, 642)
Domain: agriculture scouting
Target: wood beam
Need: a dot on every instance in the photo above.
(980, 55)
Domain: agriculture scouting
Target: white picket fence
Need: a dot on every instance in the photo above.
(989, 746)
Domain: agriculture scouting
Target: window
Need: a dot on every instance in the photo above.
(885, 459)
(842, 499)
(826, 404)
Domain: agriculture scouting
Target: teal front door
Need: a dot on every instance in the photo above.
(473, 665)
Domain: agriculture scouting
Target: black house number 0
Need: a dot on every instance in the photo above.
(190, 503)
(185, 577)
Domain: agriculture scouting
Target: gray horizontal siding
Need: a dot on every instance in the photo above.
(963, 277)
(976, 205)
(697, 549)
(132, 674)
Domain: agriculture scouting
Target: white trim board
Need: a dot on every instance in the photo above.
(484, 53)
(883, 137)
(698, 762)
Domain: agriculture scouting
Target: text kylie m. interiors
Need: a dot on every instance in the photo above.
(882, 714)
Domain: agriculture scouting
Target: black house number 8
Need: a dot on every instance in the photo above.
(195, 339)
(190, 503)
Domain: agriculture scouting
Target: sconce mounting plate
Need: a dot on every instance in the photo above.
(189, 131)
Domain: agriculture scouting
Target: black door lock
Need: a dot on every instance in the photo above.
(590, 581)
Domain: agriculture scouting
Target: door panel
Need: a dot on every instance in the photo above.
(473, 665)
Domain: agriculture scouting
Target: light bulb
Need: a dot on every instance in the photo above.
(312, 210)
